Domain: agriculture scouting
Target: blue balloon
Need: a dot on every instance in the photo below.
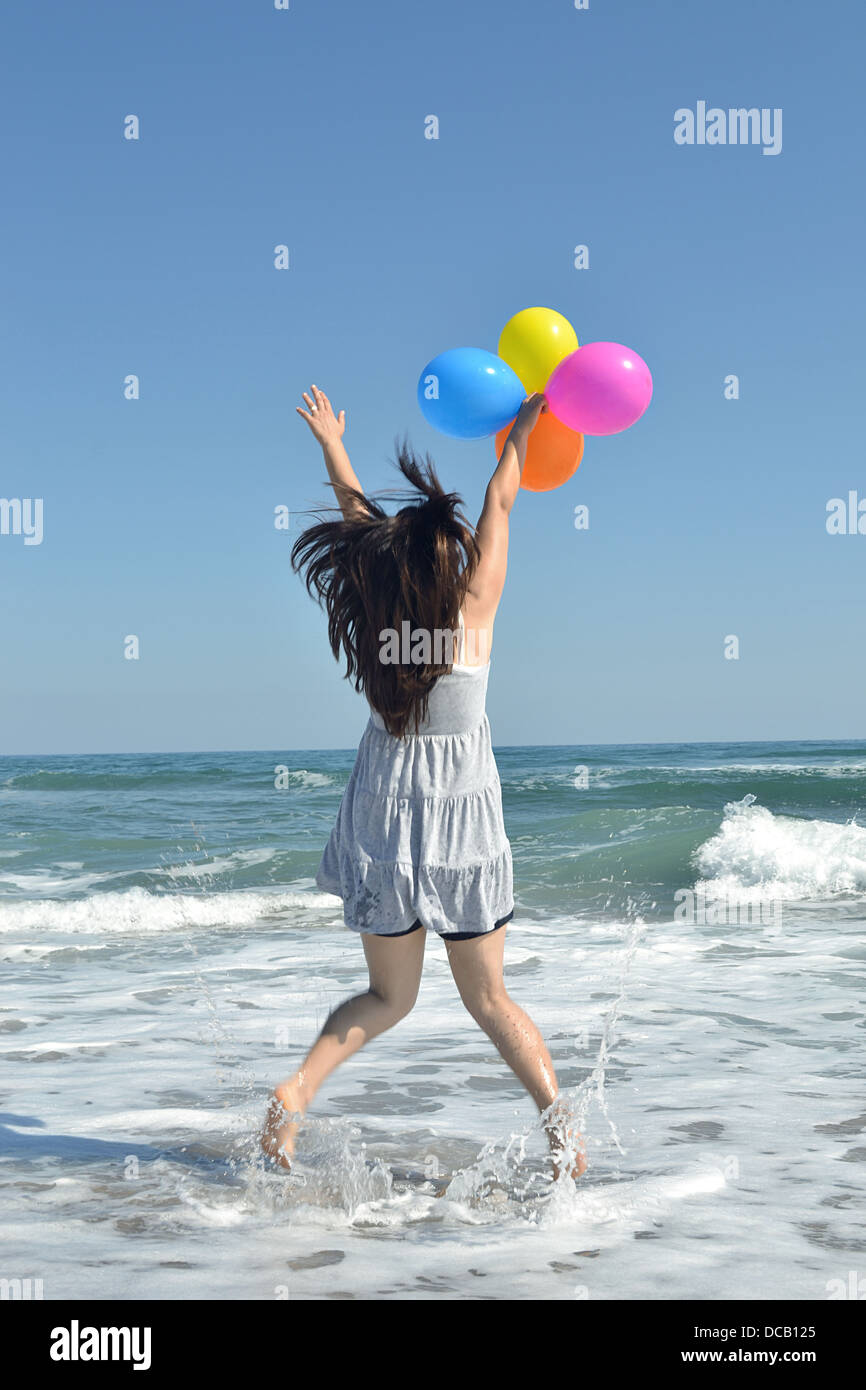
(469, 393)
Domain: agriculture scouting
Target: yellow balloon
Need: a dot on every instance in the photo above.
(535, 341)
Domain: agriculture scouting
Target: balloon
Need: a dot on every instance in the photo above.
(600, 389)
(535, 341)
(469, 393)
(552, 454)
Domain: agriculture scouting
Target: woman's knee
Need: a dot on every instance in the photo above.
(487, 1006)
(398, 1003)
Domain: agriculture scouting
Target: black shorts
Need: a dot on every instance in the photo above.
(456, 935)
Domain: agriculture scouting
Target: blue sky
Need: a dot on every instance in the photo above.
(306, 127)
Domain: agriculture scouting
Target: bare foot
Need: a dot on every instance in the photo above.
(285, 1112)
(566, 1147)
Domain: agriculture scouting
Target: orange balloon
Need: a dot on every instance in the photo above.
(552, 454)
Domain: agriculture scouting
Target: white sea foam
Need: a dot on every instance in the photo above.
(135, 911)
(782, 857)
(161, 1121)
(631, 1203)
(41, 882)
(667, 1059)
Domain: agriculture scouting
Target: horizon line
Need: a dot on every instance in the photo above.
(659, 743)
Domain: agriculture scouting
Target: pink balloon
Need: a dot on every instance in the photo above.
(601, 388)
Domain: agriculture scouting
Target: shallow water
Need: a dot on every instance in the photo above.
(166, 959)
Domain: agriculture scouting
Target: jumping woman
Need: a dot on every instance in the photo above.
(419, 842)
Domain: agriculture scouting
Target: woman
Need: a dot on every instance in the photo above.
(419, 842)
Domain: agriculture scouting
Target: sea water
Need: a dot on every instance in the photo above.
(688, 936)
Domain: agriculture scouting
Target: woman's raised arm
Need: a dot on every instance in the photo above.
(328, 430)
(485, 591)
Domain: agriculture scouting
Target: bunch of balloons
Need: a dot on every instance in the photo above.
(600, 388)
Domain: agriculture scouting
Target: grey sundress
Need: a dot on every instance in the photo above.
(419, 835)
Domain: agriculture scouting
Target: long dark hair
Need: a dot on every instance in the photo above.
(373, 571)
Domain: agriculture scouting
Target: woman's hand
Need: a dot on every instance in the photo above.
(325, 425)
(527, 416)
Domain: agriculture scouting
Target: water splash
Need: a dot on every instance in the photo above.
(505, 1172)
(330, 1172)
(593, 1086)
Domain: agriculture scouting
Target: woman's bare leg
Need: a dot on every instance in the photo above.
(395, 966)
(477, 969)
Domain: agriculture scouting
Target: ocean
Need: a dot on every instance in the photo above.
(688, 935)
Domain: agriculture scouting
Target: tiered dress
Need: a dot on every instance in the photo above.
(420, 835)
